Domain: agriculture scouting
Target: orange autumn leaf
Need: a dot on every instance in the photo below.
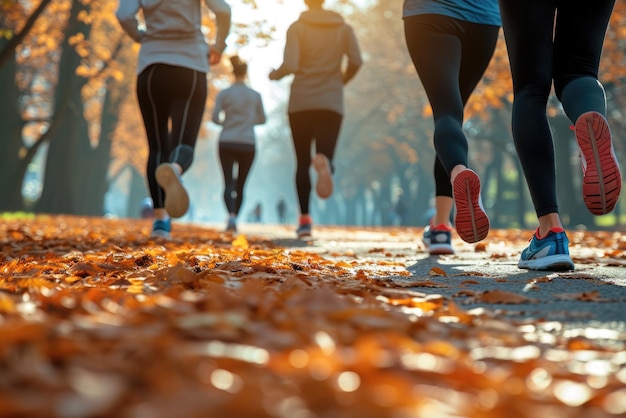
(437, 271)
(418, 283)
(227, 329)
(500, 296)
(343, 264)
(421, 303)
(593, 296)
(179, 273)
(241, 242)
(6, 304)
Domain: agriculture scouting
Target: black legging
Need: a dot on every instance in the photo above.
(321, 127)
(169, 94)
(450, 57)
(539, 53)
(230, 153)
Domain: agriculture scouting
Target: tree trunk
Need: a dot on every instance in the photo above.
(494, 172)
(94, 162)
(350, 201)
(522, 193)
(11, 146)
(138, 191)
(69, 140)
(425, 192)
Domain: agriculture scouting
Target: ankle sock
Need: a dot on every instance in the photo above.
(554, 229)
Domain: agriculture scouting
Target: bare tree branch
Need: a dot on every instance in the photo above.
(9, 48)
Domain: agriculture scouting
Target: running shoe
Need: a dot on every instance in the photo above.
(548, 253)
(602, 180)
(176, 197)
(161, 228)
(304, 231)
(438, 239)
(324, 185)
(231, 226)
(470, 219)
(305, 227)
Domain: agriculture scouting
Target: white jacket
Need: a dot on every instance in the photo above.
(172, 33)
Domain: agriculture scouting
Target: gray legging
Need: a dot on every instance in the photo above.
(540, 52)
(450, 57)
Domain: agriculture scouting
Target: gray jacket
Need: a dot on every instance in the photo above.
(315, 48)
(243, 109)
(172, 33)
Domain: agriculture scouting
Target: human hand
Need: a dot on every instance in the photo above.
(274, 75)
(214, 56)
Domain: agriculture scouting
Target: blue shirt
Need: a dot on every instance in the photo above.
(484, 12)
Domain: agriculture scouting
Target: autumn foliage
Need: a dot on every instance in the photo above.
(97, 320)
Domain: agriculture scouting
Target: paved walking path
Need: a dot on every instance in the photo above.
(591, 297)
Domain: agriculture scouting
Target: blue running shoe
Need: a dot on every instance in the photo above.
(161, 228)
(231, 226)
(548, 253)
(438, 239)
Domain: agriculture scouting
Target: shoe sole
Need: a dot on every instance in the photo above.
(176, 197)
(602, 181)
(304, 235)
(160, 234)
(324, 186)
(557, 262)
(440, 249)
(470, 220)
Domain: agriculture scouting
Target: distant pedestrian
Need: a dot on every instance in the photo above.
(147, 208)
(401, 209)
(281, 210)
(174, 60)
(238, 109)
(315, 49)
(451, 44)
(257, 213)
(561, 42)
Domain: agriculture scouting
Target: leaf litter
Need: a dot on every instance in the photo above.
(99, 321)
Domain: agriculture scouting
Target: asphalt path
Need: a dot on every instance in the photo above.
(589, 301)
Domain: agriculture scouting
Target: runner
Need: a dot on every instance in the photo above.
(451, 44)
(565, 50)
(174, 60)
(316, 46)
(238, 109)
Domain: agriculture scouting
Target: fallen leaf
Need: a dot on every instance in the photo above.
(437, 271)
(241, 242)
(501, 296)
